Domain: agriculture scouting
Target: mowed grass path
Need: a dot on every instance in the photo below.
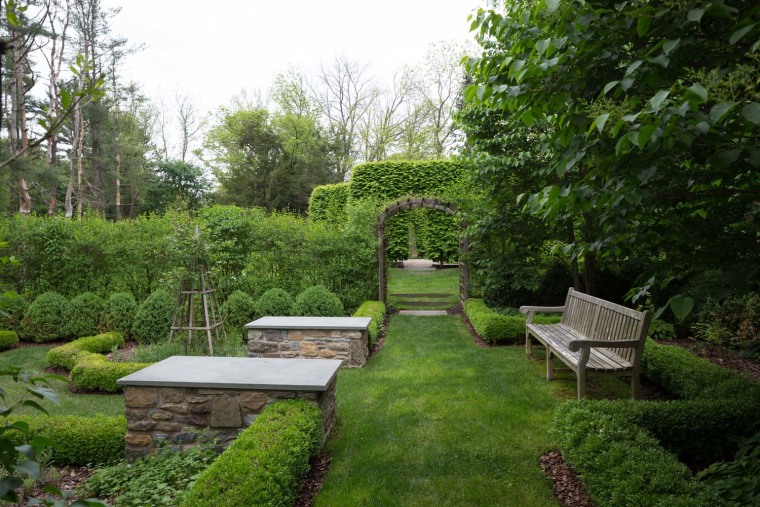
(415, 281)
(433, 419)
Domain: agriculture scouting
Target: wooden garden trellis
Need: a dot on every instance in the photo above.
(203, 294)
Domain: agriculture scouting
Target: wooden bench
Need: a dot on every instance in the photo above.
(594, 334)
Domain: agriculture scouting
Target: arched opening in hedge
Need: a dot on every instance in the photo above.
(414, 203)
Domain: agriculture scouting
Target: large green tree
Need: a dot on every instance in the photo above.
(652, 114)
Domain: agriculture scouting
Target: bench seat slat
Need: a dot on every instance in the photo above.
(558, 336)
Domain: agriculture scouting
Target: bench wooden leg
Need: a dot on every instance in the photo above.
(549, 364)
(581, 383)
(635, 386)
(528, 347)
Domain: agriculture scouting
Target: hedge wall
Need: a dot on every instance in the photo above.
(328, 202)
(375, 310)
(631, 453)
(497, 328)
(265, 464)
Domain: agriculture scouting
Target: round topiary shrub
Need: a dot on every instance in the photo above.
(317, 301)
(275, 302)
(8, 339)
(154, 318)
(44, 320)
(83, 315)
(119, 314)
(13, 312)
(238, 310)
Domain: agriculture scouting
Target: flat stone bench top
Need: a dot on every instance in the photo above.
(237, 373)
(343, 323)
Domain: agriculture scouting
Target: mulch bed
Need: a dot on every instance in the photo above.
(568, 489)
(313, 481)
(68, 478)
(721, 356)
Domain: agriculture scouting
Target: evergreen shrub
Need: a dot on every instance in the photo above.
(83, 315)
(317, 301)
(153, 319)
(79, 440)
(94, 372)
(497, 328)
(375, 310)
(67, 356)
(265, 464)
(661, 330)
(44, 319)
(119, 313)
(8, 339)
(274, 302)
(328, 202)
(13, 309)
(238, 310)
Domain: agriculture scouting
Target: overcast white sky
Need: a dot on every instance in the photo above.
(213, 50)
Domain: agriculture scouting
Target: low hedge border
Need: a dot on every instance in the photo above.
(633, 452)
(375, 310)
(90, 370)
(497, 328)
(8, 339)
(78, 440)
(266, 462)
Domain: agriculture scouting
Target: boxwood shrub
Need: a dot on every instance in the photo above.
(82, 315)
(497, 328)
(67, 356)
(44, 319)
(265, 464)
(94, 372)
(13, 312)
(8, 339)
(78, 440)
(318, 301)
(274, 302)
(238, 310)
(376, 310)
(154, 317)
(119, 313)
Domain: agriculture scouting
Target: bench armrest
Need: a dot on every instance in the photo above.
(576, 345)
(531, 311)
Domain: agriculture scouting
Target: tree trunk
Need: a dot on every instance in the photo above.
(73, 158)
(19, 135)
(574, 261)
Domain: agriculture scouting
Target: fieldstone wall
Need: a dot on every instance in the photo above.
(350, 346)
(176, 416)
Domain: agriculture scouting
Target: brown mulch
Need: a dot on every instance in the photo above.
(314, 479)
(380, 340)
(68, 478)
(458, 310)
(568, 489)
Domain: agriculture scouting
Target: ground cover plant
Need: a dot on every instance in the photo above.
(465, 424)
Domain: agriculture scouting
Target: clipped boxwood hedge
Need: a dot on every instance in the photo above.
(8, 339)
(328, 202)
(67, 356)
(94, 372)
(633, 452)
(265, 464)
(78, 440)
(375, 310)
(497, 328)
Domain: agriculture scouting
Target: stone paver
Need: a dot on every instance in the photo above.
(423, 313)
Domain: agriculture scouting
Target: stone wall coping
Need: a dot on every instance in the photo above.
(237, 373)
(335, 323)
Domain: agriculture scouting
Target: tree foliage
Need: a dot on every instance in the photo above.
(651, 114)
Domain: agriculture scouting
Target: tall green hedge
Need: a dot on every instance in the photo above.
(384, 181)
(328, 202)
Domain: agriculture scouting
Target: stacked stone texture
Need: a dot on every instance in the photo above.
(180, 417)
(350, 346)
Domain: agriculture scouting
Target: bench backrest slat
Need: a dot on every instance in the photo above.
(597, 319)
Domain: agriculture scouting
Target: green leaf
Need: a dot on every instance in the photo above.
(645, 135)
(702, 127)
(741, 32)
(695, 15)
(601, 120)
(719, 110)
(30, 468)
(609, 86)
(681, 306)
(632, 67)
(626, 83)
(669, 45)
(7, 487)
(751, 113)
(661, 60)
(642, 27)
(658, 99)
(699, 91)
(65, 99)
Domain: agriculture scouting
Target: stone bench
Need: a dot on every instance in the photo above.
(172, 401)
(343, 338)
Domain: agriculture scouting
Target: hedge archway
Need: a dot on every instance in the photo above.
(413, 203)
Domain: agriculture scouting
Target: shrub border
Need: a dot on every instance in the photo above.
(497, 328)
(376, 311)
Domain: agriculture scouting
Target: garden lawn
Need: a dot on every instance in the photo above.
(433, 419)
(33, 358)
(416, 281)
